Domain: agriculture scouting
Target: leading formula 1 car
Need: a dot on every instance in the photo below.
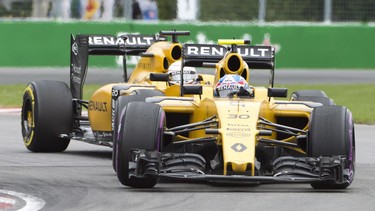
(191, 132)
(242, 136)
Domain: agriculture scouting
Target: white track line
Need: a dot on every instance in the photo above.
(10, 110)
(32, 202)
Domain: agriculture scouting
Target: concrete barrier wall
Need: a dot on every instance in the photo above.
(25, 43)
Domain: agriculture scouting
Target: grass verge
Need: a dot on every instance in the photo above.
(359, 98)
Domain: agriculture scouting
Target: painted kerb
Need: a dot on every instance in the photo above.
(24, 43)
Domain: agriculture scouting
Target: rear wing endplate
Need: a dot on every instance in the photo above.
(81, 46)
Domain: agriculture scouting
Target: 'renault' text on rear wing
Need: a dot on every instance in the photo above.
(207, 55)
(81, 46)
(199, 55)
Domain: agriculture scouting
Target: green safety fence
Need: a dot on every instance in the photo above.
(46, 43)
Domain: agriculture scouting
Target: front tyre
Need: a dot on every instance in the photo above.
(47, 112)
(141, 127)
(138, 95)
(332, 133)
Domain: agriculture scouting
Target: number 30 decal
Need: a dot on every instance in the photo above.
(236, 116)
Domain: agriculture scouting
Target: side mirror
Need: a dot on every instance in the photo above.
(195, 90)
(159, 77)
(277, 92)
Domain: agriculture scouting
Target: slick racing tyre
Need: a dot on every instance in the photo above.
(332, 133)
(139, 96)
(312, 95)
(47, 112)
(141, 127)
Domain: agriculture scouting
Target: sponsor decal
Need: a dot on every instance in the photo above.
(205, 50)
(102, 134)
(236, 103)
(228, 87)
(136, 40)
(201, 38)
(255, 52)
(115, 95)
(98, 106)
(113, 114)
(238, 116)
(184, 72)
(218, 50)
(139, 40)
(238, 134)
(75, 48)
(75, 79)
(237, 125)
(76, 69)
(144, 65)
(238, 129)
(101, 40)
(238, 147)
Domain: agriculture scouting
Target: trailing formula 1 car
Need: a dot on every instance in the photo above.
(207, 127)
(52, 111)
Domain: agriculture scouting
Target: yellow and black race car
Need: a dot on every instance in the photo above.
(167, 121)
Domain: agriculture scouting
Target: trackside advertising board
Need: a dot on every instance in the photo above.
(39, 44)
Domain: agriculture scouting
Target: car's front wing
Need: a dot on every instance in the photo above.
(286, 169)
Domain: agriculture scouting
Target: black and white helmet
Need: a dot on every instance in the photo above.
(190, 74)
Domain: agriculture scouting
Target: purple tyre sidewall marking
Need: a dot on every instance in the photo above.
(351, 145)
(160, 130)
(118, 135)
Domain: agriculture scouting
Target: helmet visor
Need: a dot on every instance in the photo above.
(189, 76)
(227, 92)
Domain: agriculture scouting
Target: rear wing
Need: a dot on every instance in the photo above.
(81, 46)
(207, 55)
(257, 57)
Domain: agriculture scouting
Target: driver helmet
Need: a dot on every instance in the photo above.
(174, 71)
(232, 84)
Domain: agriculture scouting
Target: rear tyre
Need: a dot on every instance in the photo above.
(139, 96)
(332, 133)
(141, 127)
(312, 95)
(47, 112)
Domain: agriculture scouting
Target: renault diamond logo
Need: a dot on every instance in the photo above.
(239, 147)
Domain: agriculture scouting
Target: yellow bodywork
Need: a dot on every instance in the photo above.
(159, 57)
(156, 60)
(99, 109)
